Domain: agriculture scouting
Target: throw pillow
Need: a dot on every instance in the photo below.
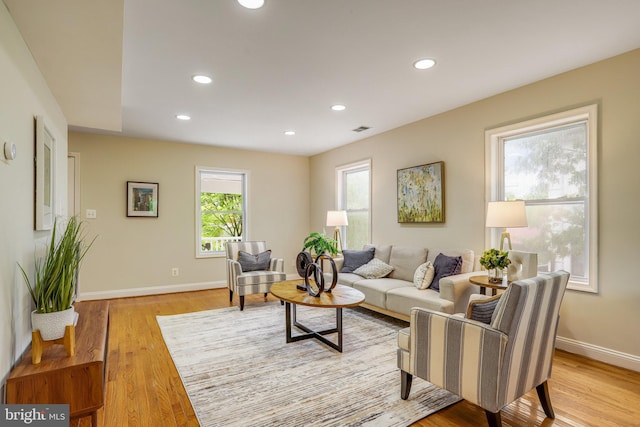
(354, 259)
(418, 276)
(257, 262)
(423, 272)
(428, 276)
(374, 269)
(445, 266)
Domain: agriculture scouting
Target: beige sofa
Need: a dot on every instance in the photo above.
(396, 293)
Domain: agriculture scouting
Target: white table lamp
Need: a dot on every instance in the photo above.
(505, 215)
(337, 219)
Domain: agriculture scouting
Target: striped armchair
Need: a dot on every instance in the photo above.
(251, 282)
(490, 365)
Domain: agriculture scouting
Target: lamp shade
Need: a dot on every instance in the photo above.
(510, 214)
(337, 218)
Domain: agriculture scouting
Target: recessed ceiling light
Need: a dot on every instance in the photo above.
(183, 117)
(424, 64)
(252, 4)
(201, 78)
(289, 132)
(338, 107)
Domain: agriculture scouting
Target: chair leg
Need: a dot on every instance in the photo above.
(545, 399)
(405, 387)
(265, 295)
(241, 302)
(230, 295)
(493, 418)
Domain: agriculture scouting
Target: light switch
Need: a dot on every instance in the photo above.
(91, 214)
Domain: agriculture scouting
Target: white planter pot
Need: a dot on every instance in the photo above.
(52, 325)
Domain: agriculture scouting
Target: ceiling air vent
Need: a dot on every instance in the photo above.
(361, 128)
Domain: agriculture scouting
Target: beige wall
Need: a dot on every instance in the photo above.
(139, 253)
(608, 319)
(134, 253)
(24, 95)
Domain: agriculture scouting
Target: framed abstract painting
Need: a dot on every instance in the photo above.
(421, 193)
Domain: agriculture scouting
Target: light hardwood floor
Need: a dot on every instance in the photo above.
(144, 389)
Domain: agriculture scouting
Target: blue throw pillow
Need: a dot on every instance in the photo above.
(355, 259)
(483, 311)
(258, 262)
(445, 266)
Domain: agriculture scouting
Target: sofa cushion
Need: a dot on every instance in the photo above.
(260, 277)
(374, 269)
(405, 260)
(382, 252)
(445, 266)
(354, 259)
(347, 279)
(375, 290)
(401, 300)
(467, 255)
(257, 262)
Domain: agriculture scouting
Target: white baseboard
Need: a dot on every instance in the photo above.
(151, 290)
(157, 290)
(606, 355)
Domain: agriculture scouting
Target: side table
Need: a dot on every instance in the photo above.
(483, 282)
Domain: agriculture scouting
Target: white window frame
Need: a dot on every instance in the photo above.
(198, 247)
(494, 182)
(341, 171)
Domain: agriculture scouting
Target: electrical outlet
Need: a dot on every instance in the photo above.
(175, 271)
(91, 214)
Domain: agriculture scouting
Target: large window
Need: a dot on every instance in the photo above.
(550, 163)
(220, 209)
(354, 196)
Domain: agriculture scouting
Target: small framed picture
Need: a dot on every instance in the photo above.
(142, 199)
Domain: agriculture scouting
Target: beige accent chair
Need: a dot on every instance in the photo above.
(489, 365)
(251, 282)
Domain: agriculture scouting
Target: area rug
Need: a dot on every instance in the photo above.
(239, 371)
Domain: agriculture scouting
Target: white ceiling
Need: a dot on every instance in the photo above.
(281, 67)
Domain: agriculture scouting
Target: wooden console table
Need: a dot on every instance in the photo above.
(77, 380)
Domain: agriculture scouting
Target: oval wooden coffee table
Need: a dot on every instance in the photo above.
(339, 298)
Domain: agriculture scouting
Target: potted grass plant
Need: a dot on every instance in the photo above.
(54, 284)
